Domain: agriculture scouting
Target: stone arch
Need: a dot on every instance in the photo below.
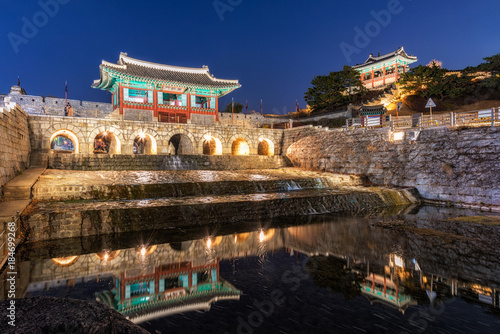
(68, 135)
(167, 149)
(240, 146)
(116, 138)
(145, 138)
(211, 144)
(181, 246)
(265, 147)
(80, 137)
(180, 144)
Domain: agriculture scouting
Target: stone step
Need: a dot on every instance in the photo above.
(57, 220)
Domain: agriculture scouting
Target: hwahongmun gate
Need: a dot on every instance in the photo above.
(162, 92)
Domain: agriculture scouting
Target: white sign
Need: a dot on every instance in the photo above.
(430, 104)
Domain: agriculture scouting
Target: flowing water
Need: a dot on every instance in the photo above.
(421, 270)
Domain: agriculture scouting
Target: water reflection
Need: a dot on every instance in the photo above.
(376, 269)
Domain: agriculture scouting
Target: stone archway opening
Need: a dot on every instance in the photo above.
(240, 147)
(180, 144)
(266, 147)
(107, 143)
(64, 141)
(212, 146)
(144, 144)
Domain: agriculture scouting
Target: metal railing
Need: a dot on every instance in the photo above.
(486, 117)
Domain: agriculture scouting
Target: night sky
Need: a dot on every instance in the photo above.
(274, 48)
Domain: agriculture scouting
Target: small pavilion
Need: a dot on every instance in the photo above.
(384, 69)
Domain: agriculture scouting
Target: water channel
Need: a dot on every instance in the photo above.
(407, 270)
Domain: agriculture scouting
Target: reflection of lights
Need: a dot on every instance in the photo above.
(145, 250)
(106, 255)
(241, 237)
(65, 261)
(398, 261)
(267, 235)
(213, 243)
(235, 239)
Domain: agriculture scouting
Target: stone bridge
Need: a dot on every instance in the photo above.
(149, 138)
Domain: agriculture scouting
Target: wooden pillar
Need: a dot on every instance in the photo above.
(216, 109)
(384, 75)
(373, 78)
(155, 103)
(396, 73)
(120, 88)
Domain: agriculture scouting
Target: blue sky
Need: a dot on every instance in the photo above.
(273, 47)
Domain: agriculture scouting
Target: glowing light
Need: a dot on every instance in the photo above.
(142, 135)
(208, 137)
(398, 136)
(209, 243)
(104, 134)
(143, 251)
(146, 250)
(262, 237)
(235, 239)
(107, 255)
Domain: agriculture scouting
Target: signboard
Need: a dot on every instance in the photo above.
(400, 104)
(430, 104)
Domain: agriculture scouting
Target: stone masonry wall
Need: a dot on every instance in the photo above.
(14, 142)
(455, 164)
(84, 130)
(38, 105)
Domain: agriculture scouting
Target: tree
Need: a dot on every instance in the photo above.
(333, 91)
(238, 107)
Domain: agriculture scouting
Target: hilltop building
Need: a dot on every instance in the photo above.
(143, 90)
(384, 69)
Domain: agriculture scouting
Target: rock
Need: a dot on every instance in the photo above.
(57, 315)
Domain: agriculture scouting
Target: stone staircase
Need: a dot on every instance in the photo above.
(390, 93)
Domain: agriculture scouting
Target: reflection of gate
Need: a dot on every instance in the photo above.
(170, 117)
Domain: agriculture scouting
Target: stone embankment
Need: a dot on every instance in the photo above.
(105, 162)
(445, 164)
(15, 142)
(208, 198)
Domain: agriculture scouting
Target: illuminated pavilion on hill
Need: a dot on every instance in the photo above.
(384, 69)
(164, 93)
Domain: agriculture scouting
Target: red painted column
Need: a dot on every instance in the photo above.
(373, 78)
(396, 75)
(216, 109)
(190, 273)
(155, 103)
(189, 103)
(384, 75)
(120, 87)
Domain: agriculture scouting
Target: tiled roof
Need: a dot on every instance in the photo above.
(372, 59)
(157, 72)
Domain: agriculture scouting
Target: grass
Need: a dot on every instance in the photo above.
(482, 220)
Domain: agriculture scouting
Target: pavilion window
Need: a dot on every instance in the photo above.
(184, 101)
(213, 104)
(136, 95)
(201, 102)
(170, 99)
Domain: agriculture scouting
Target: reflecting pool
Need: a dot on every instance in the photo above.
(424, 269)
